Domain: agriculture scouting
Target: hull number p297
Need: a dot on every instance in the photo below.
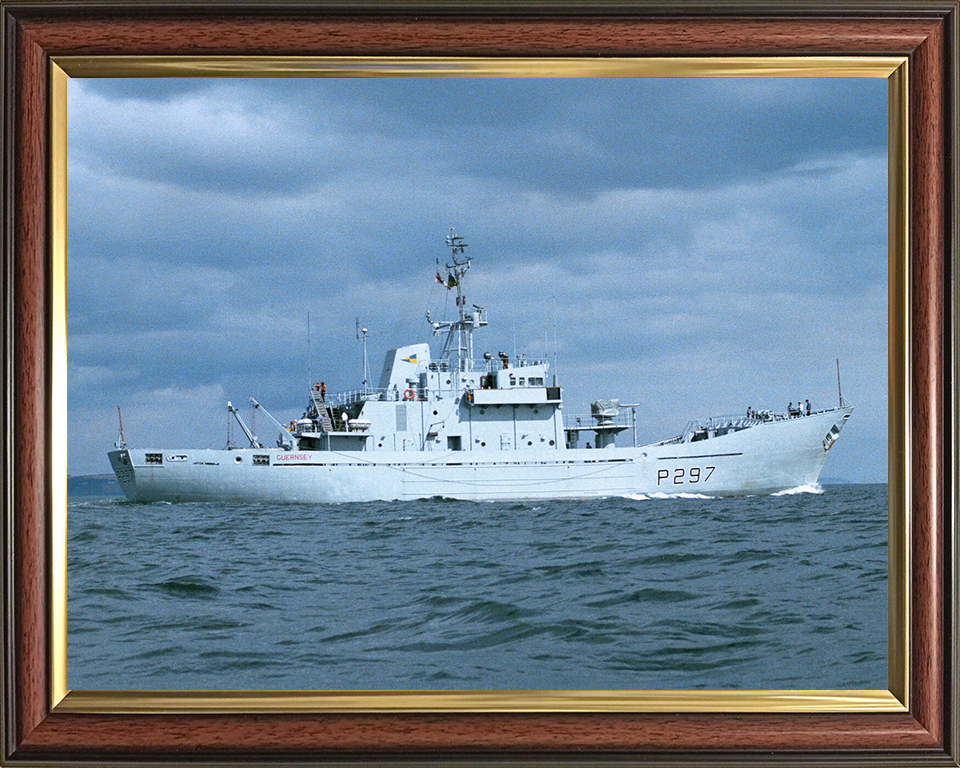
(682, 475)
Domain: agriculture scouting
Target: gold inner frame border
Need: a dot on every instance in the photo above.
(894, 699)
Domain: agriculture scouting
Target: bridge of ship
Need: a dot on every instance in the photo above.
(516, 379)
(501, 381)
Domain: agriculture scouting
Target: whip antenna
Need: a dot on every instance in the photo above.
(121, 441)
(309, 359)
(839, 393)
(361, 334)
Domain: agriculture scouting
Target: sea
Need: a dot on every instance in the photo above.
(636, 593)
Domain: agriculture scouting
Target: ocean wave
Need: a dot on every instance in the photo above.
(659, 495)
(187, 587)
(580, 594)
(814, 488)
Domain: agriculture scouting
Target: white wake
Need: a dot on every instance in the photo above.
(815, 488)
(658, 495)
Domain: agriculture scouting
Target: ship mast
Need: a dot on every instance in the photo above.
(459, 331)
(459, 266)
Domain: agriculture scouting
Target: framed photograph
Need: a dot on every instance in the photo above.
(532, 539)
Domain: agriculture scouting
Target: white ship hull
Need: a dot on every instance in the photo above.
(765, 458)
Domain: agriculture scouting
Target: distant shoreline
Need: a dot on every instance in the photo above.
(93, 485)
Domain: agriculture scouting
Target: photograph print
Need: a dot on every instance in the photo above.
(477, 384)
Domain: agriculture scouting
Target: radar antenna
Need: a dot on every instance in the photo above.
(456, 243)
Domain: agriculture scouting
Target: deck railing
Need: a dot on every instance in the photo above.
(588, 421)
(487, 366)
(352, 396)
(717, 423)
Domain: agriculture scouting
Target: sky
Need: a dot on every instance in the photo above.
(696, 246)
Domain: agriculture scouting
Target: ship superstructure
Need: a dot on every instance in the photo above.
(480, 428)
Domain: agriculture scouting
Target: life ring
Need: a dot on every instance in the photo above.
(409, 394)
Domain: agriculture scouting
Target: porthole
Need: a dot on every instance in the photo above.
(238, 459)
(482, 411)
(529, 442)
(436, 413)
(552, 442)
(535, 410)
(379, 445)
(483, 445)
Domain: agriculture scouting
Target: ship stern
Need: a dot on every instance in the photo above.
(122, 464)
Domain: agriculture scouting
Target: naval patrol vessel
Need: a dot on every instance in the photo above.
(487, 428)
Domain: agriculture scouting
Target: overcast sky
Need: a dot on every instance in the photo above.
(697, 246)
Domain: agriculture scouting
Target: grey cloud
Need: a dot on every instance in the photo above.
(567, 137)
(191, 286)
(144, 88)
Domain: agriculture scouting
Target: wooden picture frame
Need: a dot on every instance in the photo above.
(40, 728)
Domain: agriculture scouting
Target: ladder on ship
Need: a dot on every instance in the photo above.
(322, 413)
